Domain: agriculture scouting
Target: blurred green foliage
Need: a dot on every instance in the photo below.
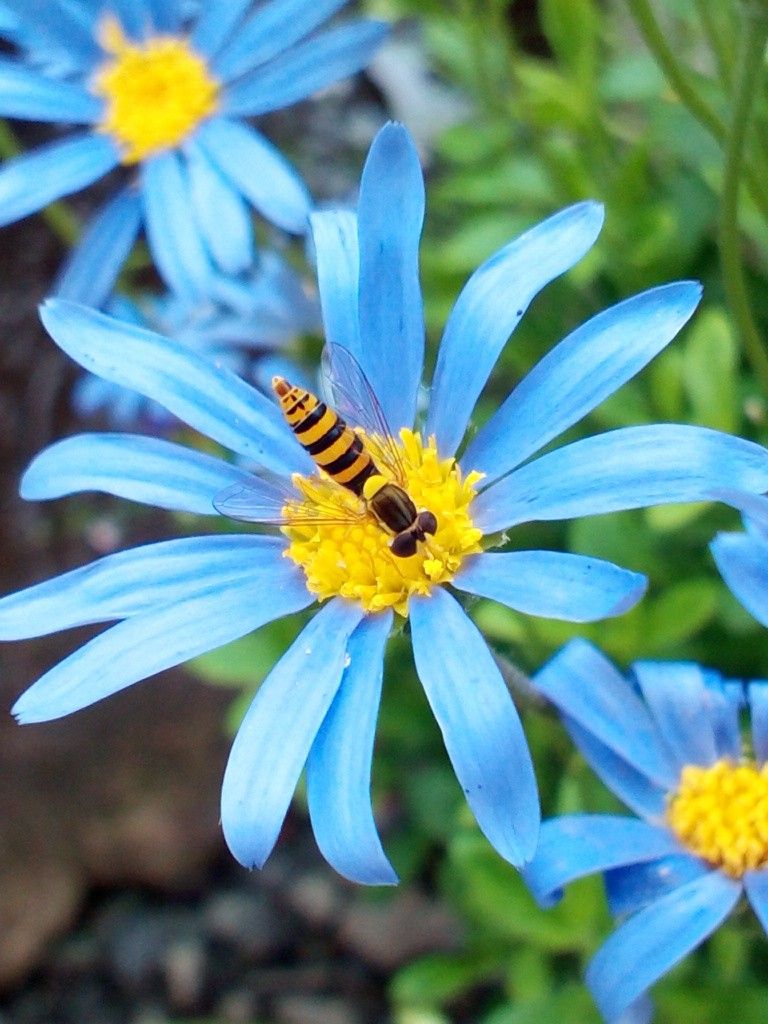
(566, 101)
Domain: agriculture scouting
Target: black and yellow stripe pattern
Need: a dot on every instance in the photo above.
(324, 435)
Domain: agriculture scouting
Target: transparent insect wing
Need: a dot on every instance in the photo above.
(347, 389)
(266, 502)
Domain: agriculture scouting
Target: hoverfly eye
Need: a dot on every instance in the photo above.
(426, 522)
(404, 545)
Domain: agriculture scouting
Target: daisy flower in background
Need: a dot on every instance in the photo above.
(247, 324)
(667, 741)
(165, 95)
(318, 707)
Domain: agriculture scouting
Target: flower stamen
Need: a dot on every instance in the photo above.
(157, 92)
(720, 813)
(348, 554)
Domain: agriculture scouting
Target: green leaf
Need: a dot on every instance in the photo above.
(710, 364)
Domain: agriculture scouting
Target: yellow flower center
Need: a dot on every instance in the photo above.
(349, 555)
(721, 814)
(157, 92)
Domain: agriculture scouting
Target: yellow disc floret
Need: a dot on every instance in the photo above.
(344, 550)
(156, 92)
(721, 814)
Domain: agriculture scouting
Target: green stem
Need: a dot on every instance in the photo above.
(754, 35)
(718, 40)
(64, 224)
(680, 78)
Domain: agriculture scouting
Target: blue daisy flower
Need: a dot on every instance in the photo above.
(318, 706)
(164, 93)
(246, 324)
(667, 741)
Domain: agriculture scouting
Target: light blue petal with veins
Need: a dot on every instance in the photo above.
(584, 685)
(216, 22)
(681, 704)
(134, 582)
(339, 763)
(633, 467)
(33, 96)
(576, 845)
(634, 886)
(491, 305)
(33, 180)
(479, 723)
(278, 730)
(209, 398)
(656, 938)
(552, 584)
(305, 69)
(92, 267)
(334, 233)
(390, 215)
(756, 886)
(144, 469)
(742, 560)
(173, 235)
(164, 637)
(259, 171)
(758, 704)
(222, 215)
(578, 374)
(269, 31)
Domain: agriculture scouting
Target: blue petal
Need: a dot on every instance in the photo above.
(32, 96)
(725, 701)
(758, 704)
(491, 305)
(552, 584)
(655, 939)
(167, 15)
(217, 20)
(578, 374)
(390, 216)
(756, 886)
(339, 764)
(173, 235)
(304, 70)
(92, 267)
(334, 233)
(753, 506)
(635, 886)
(743, 564)
(259, 171)
(222, 215)
(629, 468)
(680, 702)
(144, 469)
(207, 397)
(273, 742)
(134, 17)
(164, 637)
(576, 845)
(62, 29)
(584, 685)
(479, 723)
(133, 582)
(31, 181)
(631, 786)
(271, 30)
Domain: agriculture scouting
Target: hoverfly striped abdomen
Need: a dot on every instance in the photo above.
(324, 435)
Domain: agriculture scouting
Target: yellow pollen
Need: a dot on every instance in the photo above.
(157, 92)
(351, 558)
(721, 814)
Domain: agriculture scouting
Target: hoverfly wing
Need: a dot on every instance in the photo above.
(261, 501)
(348, 390)
(276, 503)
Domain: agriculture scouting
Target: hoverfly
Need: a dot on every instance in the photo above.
(326, 432)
